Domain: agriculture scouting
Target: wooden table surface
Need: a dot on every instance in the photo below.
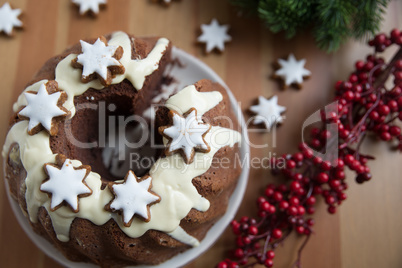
(367, 230)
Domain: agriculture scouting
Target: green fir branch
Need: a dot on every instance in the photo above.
(368, 18)
(332, 21)
(285, 15)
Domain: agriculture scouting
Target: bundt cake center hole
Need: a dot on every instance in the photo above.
(109, 133)
(128, 148)
(127, 144)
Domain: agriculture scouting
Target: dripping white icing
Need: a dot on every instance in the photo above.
(172, 178)
(180, 235)
(182, 101)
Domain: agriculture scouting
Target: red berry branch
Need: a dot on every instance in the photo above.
(365, 106)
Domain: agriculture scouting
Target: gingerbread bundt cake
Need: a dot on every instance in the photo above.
(54, 154)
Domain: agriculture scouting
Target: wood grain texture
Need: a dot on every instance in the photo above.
(365, 232)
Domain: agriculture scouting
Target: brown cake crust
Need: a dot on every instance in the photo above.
(108, 245)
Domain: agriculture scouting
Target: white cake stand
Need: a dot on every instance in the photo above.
(193, 71)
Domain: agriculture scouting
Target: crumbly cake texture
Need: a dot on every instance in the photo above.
(179, 220)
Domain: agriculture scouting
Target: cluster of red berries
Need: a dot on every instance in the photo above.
(364, 105)
(381, 41)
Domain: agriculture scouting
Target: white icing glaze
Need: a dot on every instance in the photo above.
(34, 153)
(180, 235)
(41, 108)
(96, 58)
(292, 70)
(268, 111)
(65, 184)
(186, 134)
(89, 5)
(9, 18)
(69, 78)
(133, 197)
(185, 99)
(138, 69)
(171, 177)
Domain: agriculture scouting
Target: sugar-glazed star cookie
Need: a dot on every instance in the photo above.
(99, 60)
(268, 112)
(44, 108)
(65, 185)
(132, 197)
(292, 71)
(90, 6)
(186, 135)
(9, 19)
(214, 36)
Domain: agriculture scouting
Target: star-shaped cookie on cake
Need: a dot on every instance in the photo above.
(44, 108)
(66, 184)
(268, 112)
(89, 6)
(132, 197)
(185, 135)
(9, 19)
(99, 60)
(291, 71)
(214, 36)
